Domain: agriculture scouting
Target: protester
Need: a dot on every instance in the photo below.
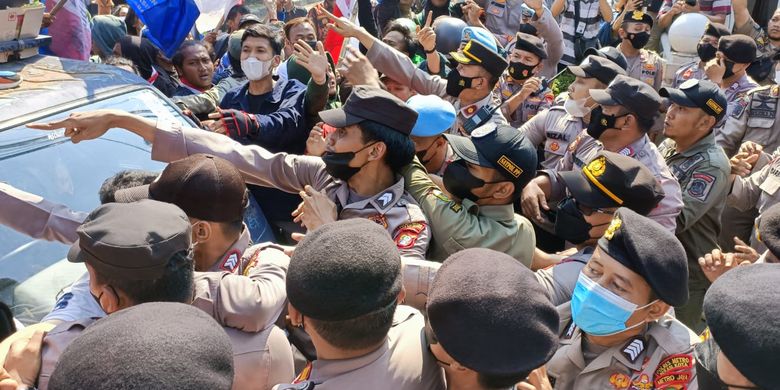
(195, 66)
(106, 32)
(145, 56)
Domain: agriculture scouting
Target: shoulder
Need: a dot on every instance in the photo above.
(672, 335)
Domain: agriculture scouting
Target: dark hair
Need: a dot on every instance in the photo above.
(236, 10)
(176, 284)
(295, 22)
(397, 26)
(644, 124)
(121, 61)
(7, 325)
(130, 20)
(357, 333)
(178, 58)
(125, 179)
(399, 147)
(500, 381)
(232, 228)
(263, 31)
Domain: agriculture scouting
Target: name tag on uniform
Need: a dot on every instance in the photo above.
(496, 8)
(772, 182)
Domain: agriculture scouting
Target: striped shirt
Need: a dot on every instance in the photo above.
(590, 22)
(709, 7)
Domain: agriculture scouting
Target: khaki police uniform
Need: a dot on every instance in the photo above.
(753, 30)
(559, 280)
(703, 172)
(246, 307)
(759, 190)
(689, 71)
(647, 67)
(457, 226)
(555, 129)
(584, 148)
(735, 94)
(418, 277)
(36, 217)
(392, 208)
(658, 358)
(401, 362)
(502, 18)
(401, 69)
(548, 29)
(531, 106)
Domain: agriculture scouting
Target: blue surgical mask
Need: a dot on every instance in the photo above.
(598, 311)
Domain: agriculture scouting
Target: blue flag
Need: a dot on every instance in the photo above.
(168, 21)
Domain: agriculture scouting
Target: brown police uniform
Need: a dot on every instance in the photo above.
(391, 208)
(647, 67)
(753, 118)
(556, 130)
(759, 190)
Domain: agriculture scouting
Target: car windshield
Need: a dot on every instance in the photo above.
(49, 165)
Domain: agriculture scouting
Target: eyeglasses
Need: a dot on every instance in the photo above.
(588, 211)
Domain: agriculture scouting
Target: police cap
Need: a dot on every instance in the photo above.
(768, 229)
(435, 115)
(609, 53)
(696, 93)
(531, 44)
(371, 103)
(636, 96)
(476, 53)
(597, 67)
(638, 17)
(716, 30)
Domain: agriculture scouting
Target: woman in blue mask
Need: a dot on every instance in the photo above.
(621, 333)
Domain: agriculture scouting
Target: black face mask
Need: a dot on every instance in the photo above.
(459, 181)
(312, 44)
(706, 51)
(639, 40)
(421, 154)
(337, 164)
(457, 83)
(570, 224)
(521, 71)
(729, 68)
(600, 122)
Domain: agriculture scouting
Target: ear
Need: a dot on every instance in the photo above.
(707, 122)
(109, 300)
(401, 295)
(296, 318)
(201, 231)
(622, 33)
(277, 60)
(656, 310)
(505, 190)
(440, 141)
(377, 151)
(630, 120)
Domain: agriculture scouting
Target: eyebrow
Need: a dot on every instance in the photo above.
(623, 279)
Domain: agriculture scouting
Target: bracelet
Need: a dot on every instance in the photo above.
(430, 51)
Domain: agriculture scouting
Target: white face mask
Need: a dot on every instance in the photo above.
(576, 107)
(255, 69)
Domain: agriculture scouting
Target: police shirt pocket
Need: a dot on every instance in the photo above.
(452, 246)
(760, 122)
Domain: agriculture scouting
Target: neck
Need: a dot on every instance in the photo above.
(262, 86)
(326, 351)
(372, 179)
(616, 339)
(437, 160)
(681, 144)
(210, 252)
(465, 381)
(627, 49)
(618, 143)
(728, 82)
(187, 83)
(471, 96)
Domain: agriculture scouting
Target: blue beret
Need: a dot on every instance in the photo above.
(434, 115)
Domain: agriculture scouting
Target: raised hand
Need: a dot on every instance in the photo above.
(82, 126)
(356, 68)
(316, 62)
(342, 26)
(427, 36)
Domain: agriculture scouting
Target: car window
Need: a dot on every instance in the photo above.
(49, 165)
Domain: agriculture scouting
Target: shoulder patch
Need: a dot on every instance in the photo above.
(573, 144)
(231, 261)
(406, 235)
(674, 371)
(739, 106)
(439, 195)
(634, 348)
(700, 186)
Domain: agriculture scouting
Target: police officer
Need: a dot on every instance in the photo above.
(767, 40)
(357, 172)
(348, 299)
(435, 116)
(742, 341)
(539, 21)
(628, 110)
(557, 127)
(469, 86)
(608, 182)
(490, 323)
(620, 334)
(610, 53)
(524, 95)
(702, 170)
(643, 64)
(768, 227)
(493, 167)
(138, 252)
(735, 53)
(706, 50)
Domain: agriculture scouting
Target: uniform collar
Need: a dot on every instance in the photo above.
(738, 84)
(322, 370)
(701, 144)
(231, 259)
(501, 213)
(631, 149)
(382, 201)
(635, 346)
(472, 109)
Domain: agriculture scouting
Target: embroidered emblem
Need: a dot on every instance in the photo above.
(674, 371)
(634, 348)
(385, 199)
(406, 235)
(642, 383)
(230, 263)
(597, 166)
(380, 219)
(613, 227)
(619, 381)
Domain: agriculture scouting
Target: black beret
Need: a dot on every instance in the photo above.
(742, 313)
(160, 345)
(716, 30)
(532, 44)
(738, 48)
(528, 28)
(650, 250)
(769, 229)
(638, 17)
(344, 270)
(490, 313)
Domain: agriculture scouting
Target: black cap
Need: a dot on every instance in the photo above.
(638, 17)
(206, 187)
(344, 270)
(614, 180)
(697, 93)
(532, 44)
(500, 147)
(610, 53)
(650, 250)
(742, 313)
(738, 48)
(248, 20)
(159, 345)
(597, 67)
(133, 241)
(375, 104)
(496, 318)
(716, 30)
(475, 53)
(528, 28)
(768, 229)
(636, 96)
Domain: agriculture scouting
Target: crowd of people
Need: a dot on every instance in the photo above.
(441, 208)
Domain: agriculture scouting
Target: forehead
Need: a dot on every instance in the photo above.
(636, 25)
(195, 51)
(394, 35)
(523, 53)
(256, 42)
(612, 266)
(301, 28)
